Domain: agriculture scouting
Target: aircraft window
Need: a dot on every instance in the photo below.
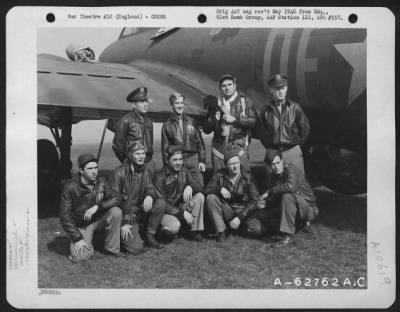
(127, 31)
(215, 31)
(162, 31)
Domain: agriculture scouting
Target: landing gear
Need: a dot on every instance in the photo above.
(49, 187)
(341, 170)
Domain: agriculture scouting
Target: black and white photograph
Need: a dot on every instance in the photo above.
(224, 158)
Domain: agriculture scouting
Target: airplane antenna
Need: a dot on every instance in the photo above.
(102, 140)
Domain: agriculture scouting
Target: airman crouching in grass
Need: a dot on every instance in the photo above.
(232, 197)
(89, 204)
(132, 180)
(181, 196)
(291, 198)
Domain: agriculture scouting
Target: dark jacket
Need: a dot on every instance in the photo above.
(191, 139)
(292, 180)
(284, 130)
(238, 130)
(131, 128)
(133, 186)
(170, 188)
(244, 194)
(76, 198)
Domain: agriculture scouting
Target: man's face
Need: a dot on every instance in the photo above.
(279, 94)
(277, 165)
(138, 157)
(178, 105)
(89, 171)
(176, 162)
(141, 106)
(233, 165)
(228, 88)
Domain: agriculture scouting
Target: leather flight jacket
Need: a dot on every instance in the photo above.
(77, 198)
(244, 193)
(292, 180)
(242, 108)
(283, 130)
(133, 127)
(191, 139)
(170, 186)
(133, 186)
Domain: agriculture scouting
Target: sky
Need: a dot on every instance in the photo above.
(54, 41)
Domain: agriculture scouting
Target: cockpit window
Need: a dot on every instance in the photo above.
(128, 31)
(162, 31)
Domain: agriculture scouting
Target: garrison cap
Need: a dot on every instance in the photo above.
(135, 146)
(270, 155)
(231, 153)
(84, 159)
(225, 77)
(137, 95)
(174, 149)
(278, 81)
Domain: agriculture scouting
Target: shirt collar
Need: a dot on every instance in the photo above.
(231, 99)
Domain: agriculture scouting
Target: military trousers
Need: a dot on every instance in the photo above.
(171, 224)
(192, 165)
(220, 212)
(111, 223)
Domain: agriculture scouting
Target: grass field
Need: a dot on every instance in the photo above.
(336, 250)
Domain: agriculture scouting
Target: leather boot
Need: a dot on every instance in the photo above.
(151, 241)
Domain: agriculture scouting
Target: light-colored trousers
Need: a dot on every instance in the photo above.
(195, 206)
(111, 222)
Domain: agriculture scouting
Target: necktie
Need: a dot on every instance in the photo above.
(180, 123)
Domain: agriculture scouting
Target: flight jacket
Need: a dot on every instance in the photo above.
(76, 198)
(133, 186)
(170, 187)
(292, 180)
(244, 194)
(240, 130)
(288, 129)
(191, 139)
(133, 127)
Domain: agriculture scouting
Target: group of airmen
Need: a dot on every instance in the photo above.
(140, 206)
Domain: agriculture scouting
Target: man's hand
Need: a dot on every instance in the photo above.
(225, 193)
(202, 167)
(126, 232)
(265, 195)
(261, 204)
(78, 248)
(90, 212)
(234, 223)
(188, 217)
(187, 193)
(228, 118)
(148, 203)
(218, 115)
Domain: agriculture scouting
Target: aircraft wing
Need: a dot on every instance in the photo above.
(99, 90)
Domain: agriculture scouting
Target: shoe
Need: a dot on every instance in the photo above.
(116, 254)
(307, 229)
(221, 237)
(196, 236)
(150, 241)
(285, 241)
